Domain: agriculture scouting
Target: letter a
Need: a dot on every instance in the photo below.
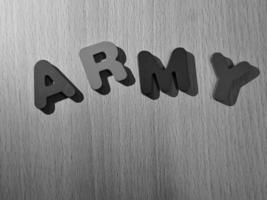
(52, 86)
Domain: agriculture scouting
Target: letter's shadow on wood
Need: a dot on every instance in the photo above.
(231, 78)
(130, 80)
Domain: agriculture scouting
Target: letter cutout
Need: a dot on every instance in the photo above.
(103, 60)
(52, 86)
(231, 78)
(180, 74)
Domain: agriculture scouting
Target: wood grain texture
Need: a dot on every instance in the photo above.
(124, 145)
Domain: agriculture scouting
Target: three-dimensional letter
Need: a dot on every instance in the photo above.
(102, 60)
(231, 78)
(51, 86)
(180, 74)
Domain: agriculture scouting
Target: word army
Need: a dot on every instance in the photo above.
(106, 59)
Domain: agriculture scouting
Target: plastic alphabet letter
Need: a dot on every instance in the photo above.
(180, 74)
(231, 78)
(103, 60)
(51, 86)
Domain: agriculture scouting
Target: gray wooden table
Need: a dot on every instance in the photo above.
(124, 145)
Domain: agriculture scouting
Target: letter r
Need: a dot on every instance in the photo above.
(99, 58)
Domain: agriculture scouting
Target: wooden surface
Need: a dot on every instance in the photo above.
(124, 145)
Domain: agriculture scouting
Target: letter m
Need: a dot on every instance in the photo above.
(178, 75)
